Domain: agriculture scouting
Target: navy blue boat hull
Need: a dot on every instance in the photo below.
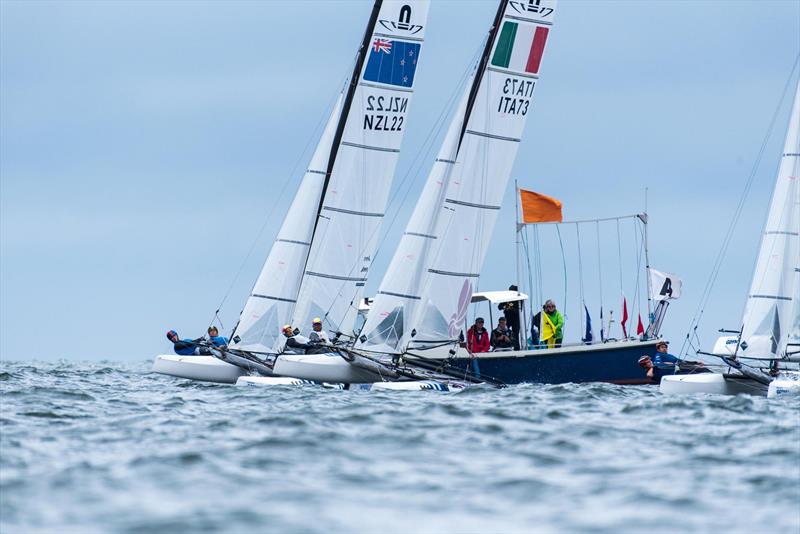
(615, 362)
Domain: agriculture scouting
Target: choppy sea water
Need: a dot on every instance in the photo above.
(109, 447)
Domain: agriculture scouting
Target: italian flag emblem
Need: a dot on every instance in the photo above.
(520, 47)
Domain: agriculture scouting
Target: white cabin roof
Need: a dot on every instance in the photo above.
(498, 297)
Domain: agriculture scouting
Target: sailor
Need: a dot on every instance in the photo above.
(511, 312)
(501, 336)
(654, 373)
(552, 332)
(187, 347)
(663, 359)
(477, 337)
(216, 339)
(295, 344)
(318, 336)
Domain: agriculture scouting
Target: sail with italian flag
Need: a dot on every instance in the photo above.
(520, 47)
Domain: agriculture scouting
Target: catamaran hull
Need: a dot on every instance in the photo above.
(322, 368)
(786, 384)
(615, 362)
(206, 368)
(713, 383)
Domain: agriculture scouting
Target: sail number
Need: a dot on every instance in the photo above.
(516, 96)
(391, 118)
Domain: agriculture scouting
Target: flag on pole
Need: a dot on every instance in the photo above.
(602, 327)
(640, 326)
(664, 285)
(537, 207)
(624, 316)
(588, 335)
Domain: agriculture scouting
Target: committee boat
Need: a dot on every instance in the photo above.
(760, 354)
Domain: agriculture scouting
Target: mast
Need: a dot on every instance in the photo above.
(476, 82)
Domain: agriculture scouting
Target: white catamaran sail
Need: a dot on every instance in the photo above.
(275, 291)
(316, 266)
(474, 168)
(771, 322)
(361, 169)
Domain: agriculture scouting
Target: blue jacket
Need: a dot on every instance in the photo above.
(219, 341)
(185, 347)
(665, 361)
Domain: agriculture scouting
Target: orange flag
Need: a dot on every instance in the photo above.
(539, 208)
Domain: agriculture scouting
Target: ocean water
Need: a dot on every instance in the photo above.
(109, 447)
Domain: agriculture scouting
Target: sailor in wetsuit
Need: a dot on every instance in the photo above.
(216, 339)
(295, 344)
(187, 347)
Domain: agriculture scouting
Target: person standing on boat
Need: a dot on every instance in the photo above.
(511, 312)
(552, 332)
(478, 337)
(501, 336)
(187, 347)
(295, 344)
(318, 336)
(216, 339)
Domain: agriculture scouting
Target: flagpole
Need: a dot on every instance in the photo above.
(644, 219)
(517, 229)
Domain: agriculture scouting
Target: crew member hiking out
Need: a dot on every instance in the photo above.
(318, 336)
(216, 339)
(295, 344)
(187, 347)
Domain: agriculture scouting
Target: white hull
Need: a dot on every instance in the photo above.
(786, 384)
(206, 368)
(322, 368)
(709, 383)
(416, 385)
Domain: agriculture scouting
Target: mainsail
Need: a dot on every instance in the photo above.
(771, 322)
(354, 160)
(361, 169)
(473, 167)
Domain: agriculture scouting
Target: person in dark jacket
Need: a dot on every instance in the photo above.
(296, 344)
(478, 337)
(501, 336)
(511, 312)
(187, 347)
(216, 339)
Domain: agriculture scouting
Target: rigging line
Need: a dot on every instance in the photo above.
(619, 259)
(638, 250)
(564, 264)
(599, 270)
(315, 134)
(720, 257)
(580, 278)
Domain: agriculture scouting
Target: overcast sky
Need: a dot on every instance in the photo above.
(143, 146)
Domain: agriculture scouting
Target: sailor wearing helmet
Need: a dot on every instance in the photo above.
(295, 343)
(318, 336)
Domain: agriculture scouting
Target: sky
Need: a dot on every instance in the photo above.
(148, 152)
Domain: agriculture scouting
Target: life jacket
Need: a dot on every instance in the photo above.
(185, 347)
(548, 334)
